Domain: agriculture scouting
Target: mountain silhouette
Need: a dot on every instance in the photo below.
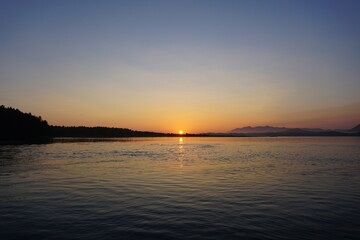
(355, 129)
(284, 131)
(258, 129)
(270, 129)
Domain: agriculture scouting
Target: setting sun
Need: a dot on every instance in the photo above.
(181, 132)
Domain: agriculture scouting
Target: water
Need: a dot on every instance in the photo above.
(189, 188)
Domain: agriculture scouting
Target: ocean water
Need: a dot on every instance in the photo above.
(182, 188)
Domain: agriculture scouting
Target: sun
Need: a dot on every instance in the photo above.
(181, 132)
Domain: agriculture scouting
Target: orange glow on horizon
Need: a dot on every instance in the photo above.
(193, 120)
(181, 132)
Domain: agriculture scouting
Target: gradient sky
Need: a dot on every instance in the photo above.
(198, 66)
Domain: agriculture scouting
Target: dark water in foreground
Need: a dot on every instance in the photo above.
(196, 188)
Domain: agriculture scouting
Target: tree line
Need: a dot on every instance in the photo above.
(17, 125)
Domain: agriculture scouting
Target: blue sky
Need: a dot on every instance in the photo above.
(194, 65)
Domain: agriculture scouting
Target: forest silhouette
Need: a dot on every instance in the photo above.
(17, 125)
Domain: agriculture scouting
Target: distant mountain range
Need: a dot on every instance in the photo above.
(270, 129)
(284, 131)
(355, 129)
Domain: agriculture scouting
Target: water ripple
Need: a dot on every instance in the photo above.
(216, 188)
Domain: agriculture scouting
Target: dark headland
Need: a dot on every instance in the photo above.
(17, 126)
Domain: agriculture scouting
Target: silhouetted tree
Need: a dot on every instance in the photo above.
(16, 125)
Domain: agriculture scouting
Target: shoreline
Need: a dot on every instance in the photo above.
(132, 138)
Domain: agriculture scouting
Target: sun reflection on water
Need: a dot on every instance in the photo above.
(181, 152)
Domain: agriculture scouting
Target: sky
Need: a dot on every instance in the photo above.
(197, 66)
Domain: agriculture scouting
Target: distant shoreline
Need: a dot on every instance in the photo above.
(129, 139)
(17, 127)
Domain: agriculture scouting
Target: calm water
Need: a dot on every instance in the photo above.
(190, 188)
